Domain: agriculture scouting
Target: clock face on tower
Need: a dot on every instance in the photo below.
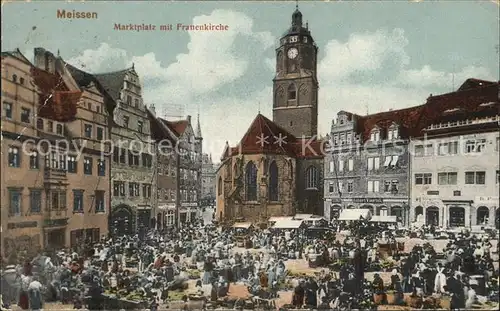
(292, 53)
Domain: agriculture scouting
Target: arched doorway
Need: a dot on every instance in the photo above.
(419, 210)
(122, 221)
(334, 212)
(432, 216)
(482, 215)
(457, 216)
(398, 212)
(370, 207)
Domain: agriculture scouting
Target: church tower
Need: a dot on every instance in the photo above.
(295, 85)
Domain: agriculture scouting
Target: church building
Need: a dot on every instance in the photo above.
(277, 167)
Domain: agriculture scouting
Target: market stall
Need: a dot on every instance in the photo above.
(355, 214)
(242, 232)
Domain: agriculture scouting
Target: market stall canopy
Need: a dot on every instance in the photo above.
(304, 216)
(390, 219)
(288, 224)
(355, 214)
(278, 218)
(242, 225)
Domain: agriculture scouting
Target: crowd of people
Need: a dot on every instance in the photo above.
(148, 269)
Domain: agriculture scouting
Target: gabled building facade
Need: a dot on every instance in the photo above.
(58, 149)
(189, 149)
(133, 165)
(208, 175)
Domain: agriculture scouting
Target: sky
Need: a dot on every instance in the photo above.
(373, 55)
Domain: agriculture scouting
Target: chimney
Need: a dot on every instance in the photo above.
(152, 109)
(189, 119)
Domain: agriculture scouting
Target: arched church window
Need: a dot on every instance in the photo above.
(273, 182)
(219, 186)
(292, 92)
(251, 182)
(312, 177)
(279, 60)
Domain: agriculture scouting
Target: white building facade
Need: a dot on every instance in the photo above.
(455, 168)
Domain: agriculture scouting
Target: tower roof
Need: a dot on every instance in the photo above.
(297, 25)
(198, 128)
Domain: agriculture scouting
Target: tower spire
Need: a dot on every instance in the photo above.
(198, 127)
(297, 4)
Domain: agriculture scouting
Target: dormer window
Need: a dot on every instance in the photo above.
(375, 135)
(294, 39)
(393, 132)
(305, 39)
(292, 92)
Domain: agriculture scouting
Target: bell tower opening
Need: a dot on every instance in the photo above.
(295, 84)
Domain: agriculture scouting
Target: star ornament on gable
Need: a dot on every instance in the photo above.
(262, 140)
(280, 140)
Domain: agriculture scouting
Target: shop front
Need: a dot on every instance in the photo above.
(382, 207)
(122, 220)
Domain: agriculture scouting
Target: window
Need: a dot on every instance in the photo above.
(375, 135)
(394, 186)
(349, 137)
(14, 202)
(419, 151)
(87, 166)
(125, 121)
(58, 200)
(447, 178)
(14, 78)
(77, 201)
(7, 110)
(251, 182)
(35, 201)
(388, 160)
(101, 167)
(146, 190)
(129, 100)
(133, 189)
(373, 186)
(50, 126)
(340, 186)
(59, 129)
(34, 160)
(139, 126)
(497, 146)
(72, 164)
(392, 133)
(100, 133)
(387, 186)
(25, 115)
(423, 179)
(330, 187)
(292, 92)
(478, 178)
(100, 205)
(475, 146)
(219, 186)
(331, 167)
(305, 39)
(341, 165)
(88, 130)
(498, 177)
(342, 139)
(39, 124)
(294, 39)
(122, 156)
(118, 188)
(273, 182)
(14, 157)
(351, 164)
(136, 103)
(350, 187)
(311, 178)
(147, 160)
(429, 150)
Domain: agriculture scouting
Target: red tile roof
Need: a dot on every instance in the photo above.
(56, 102)
(263, 137)
(475, 98)
(178, 127)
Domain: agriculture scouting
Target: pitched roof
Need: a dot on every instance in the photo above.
(178, 127)
(475, 98)
(18, 55)
(113, 82)
(158, 132)
(56, 102)
(263, 137)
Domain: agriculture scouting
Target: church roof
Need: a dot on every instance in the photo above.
(266, 137)
(475, 98)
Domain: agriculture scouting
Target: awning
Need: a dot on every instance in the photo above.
(388, 160)
(391, 219)
(278, 218)
(394, 160)
(355, 214)
(288, 224)
(303, 216)
(242, 225)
